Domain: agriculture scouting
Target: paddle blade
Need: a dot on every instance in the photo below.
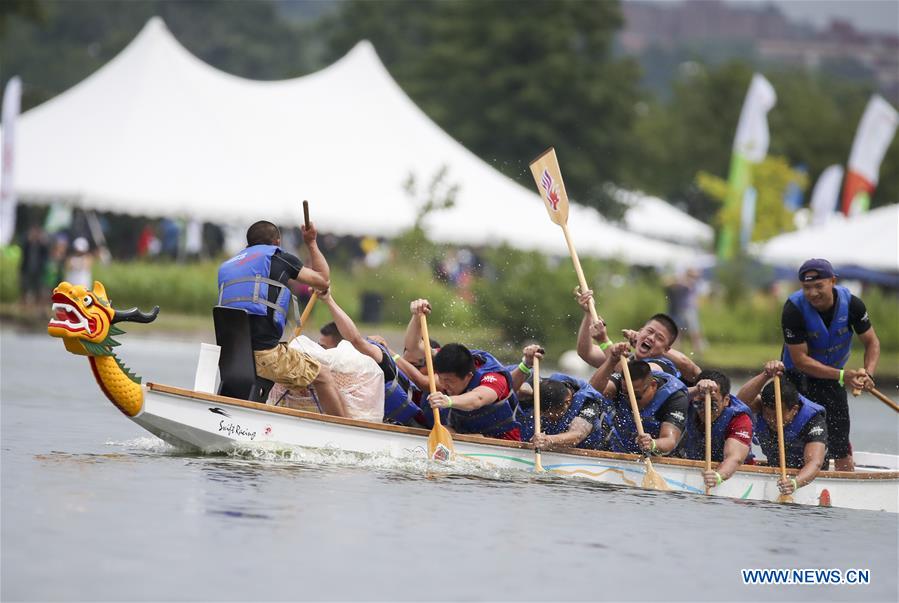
(538, 465)
(652, 480)
(550, 186)
(785, 498)
(440, 444)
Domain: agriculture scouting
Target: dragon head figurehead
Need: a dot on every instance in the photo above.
(86, 322)
(84, 319)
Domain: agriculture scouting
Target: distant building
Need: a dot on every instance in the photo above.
(774, 38)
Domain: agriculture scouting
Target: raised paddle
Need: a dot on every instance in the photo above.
(783, 498)
(708, 434)
(312, 299)
(440, 442)
(651, 479)
(548, 177)
(884, 399)
(538, 466)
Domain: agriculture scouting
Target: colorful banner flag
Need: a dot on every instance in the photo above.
(826, 196)
(12, 99)
(874, 135)
(750, 147)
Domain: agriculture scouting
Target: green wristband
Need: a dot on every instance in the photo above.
(605, 345)
(524, 368)
(449, 402)
(396, 357)
(795, 484)
(842, 372)
(653, 449)
(718, 477)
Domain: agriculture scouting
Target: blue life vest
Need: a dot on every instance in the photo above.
(494, 419)
(830, 346)
(694, 439)
(244, 283)
(794, 448)
(666, 364)
(619, 432)
(399, 406)
(583, 394)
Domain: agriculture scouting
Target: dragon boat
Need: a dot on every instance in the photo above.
(206, 422)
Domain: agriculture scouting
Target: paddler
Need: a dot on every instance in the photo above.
(652, 343)
(804, 427)
(475, 390)
(817, 322)
(661, 398)
(731, 427)
(400, 393)
(569, 408)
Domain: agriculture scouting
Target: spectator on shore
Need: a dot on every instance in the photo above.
(35, 255)
(79, 263)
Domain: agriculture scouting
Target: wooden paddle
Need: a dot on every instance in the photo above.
(884, 399)
(708, 434)
(312, 299)
(651, 479)
(440, 442)
(548, 177)
(783, 498)
(538, 466)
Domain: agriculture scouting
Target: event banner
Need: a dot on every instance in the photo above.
(874, 135)
(12, 98)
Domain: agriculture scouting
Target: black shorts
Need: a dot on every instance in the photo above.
(832, 396)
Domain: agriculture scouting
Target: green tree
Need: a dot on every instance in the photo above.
(509, 78)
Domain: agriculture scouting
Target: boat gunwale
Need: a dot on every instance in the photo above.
(476, 439)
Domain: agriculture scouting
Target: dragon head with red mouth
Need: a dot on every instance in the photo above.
(84, 318)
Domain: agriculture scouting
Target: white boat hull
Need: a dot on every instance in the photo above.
(209, 423)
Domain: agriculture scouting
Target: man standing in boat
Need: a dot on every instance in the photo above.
(652, 343)
(399, 393)
(817, 322)
(661, 399)
(731, 427)
(260, 280)
(804, 426)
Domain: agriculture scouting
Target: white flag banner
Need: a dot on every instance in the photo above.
(873, 137)
(12, 98)
(826, 196)
(752, 136)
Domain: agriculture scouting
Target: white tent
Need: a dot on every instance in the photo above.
(869, 241)
(157, 132)
(658, 219)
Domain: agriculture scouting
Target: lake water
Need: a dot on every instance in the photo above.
(96, 509)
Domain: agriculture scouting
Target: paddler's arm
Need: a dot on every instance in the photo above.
(348, 330)
(577, 433)
(317, 260)
(811, 367)
(813, 458)
(689, 369)
(599, 380)
(415, 375)
(587, 349)
(750, 391)
(473, 400)
(735, 453)
(872, 355)
(413, 348)
(527, 358)
(669, 436)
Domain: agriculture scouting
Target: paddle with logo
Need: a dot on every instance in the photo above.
(312, 299)
(778, 409)
(440, 442)
(548, 177)
(538, 466)
(708, 434)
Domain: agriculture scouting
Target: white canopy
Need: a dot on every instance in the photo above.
(869, 240)
(157, 132)
(658, 219)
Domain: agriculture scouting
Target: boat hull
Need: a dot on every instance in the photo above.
(210, 423)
